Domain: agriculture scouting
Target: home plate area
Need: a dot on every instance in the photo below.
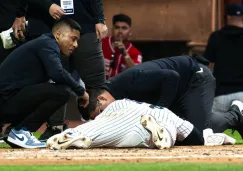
(185, 154)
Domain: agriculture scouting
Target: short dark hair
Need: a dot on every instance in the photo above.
(93, 94)
(67, 21)
(122, 18)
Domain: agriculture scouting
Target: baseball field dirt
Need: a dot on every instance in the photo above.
(217, 154)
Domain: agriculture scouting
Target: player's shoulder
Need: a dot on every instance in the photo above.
(126, 101)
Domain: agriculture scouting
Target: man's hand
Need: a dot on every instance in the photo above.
(19, 27)
(84, 100)
(101, 31)
(56, 11)
(120, 45)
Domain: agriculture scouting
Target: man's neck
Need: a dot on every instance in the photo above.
(235, 23)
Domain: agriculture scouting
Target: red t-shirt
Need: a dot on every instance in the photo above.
(114, 61)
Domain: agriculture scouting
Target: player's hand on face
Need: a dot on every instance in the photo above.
(56, 11)
(19, 27)
(84, 100)
(101, 31)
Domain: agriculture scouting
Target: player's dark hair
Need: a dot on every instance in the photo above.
(122, 18)
(93, 94)
(67, 21)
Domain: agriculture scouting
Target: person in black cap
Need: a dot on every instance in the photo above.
(224, 51)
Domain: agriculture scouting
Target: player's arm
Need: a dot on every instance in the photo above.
(128, 58)
(209, 53)
(48, 5)
(50, 58)
(133, 59)
(165, 81)
(97, 10)
(136, 58)
(22, 8)
(19, 22)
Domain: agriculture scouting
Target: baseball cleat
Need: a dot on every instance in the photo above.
(66, 140)
(160, 136)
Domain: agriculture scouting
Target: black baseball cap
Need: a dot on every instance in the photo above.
(235, 9)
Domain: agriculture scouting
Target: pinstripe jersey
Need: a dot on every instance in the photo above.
(119, 125)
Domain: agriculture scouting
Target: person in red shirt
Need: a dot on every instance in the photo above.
(119, 52)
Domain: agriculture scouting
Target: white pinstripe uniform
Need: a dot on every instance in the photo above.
(119, 125)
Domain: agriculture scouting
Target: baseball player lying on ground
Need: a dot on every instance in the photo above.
(127, 123)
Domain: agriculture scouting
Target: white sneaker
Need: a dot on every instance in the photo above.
(239, 104)
(67, 140)
(214, 139)
(24, 138)
(229, 140)
(160, 136)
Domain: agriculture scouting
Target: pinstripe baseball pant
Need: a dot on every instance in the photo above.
(222, 117)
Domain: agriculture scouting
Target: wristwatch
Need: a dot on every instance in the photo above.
(101, 21)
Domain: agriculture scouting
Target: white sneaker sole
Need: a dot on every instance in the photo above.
(157, 131)
(17, 143)
(65, 141)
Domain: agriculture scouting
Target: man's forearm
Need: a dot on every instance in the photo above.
(46, 4)
(98, 10)
(22, 8)
(129, 61)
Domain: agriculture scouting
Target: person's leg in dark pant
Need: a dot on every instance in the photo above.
(34, 104)
(227, 120)
(196, 105)
(57, 119)
(224, 115)
(88, 60)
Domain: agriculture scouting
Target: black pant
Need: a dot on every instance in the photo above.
(88, 60)
(194, 138)
(196, 104)
(33, 105)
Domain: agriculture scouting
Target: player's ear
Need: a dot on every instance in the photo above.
(101, 98)
(57, 35)
(130, 34)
